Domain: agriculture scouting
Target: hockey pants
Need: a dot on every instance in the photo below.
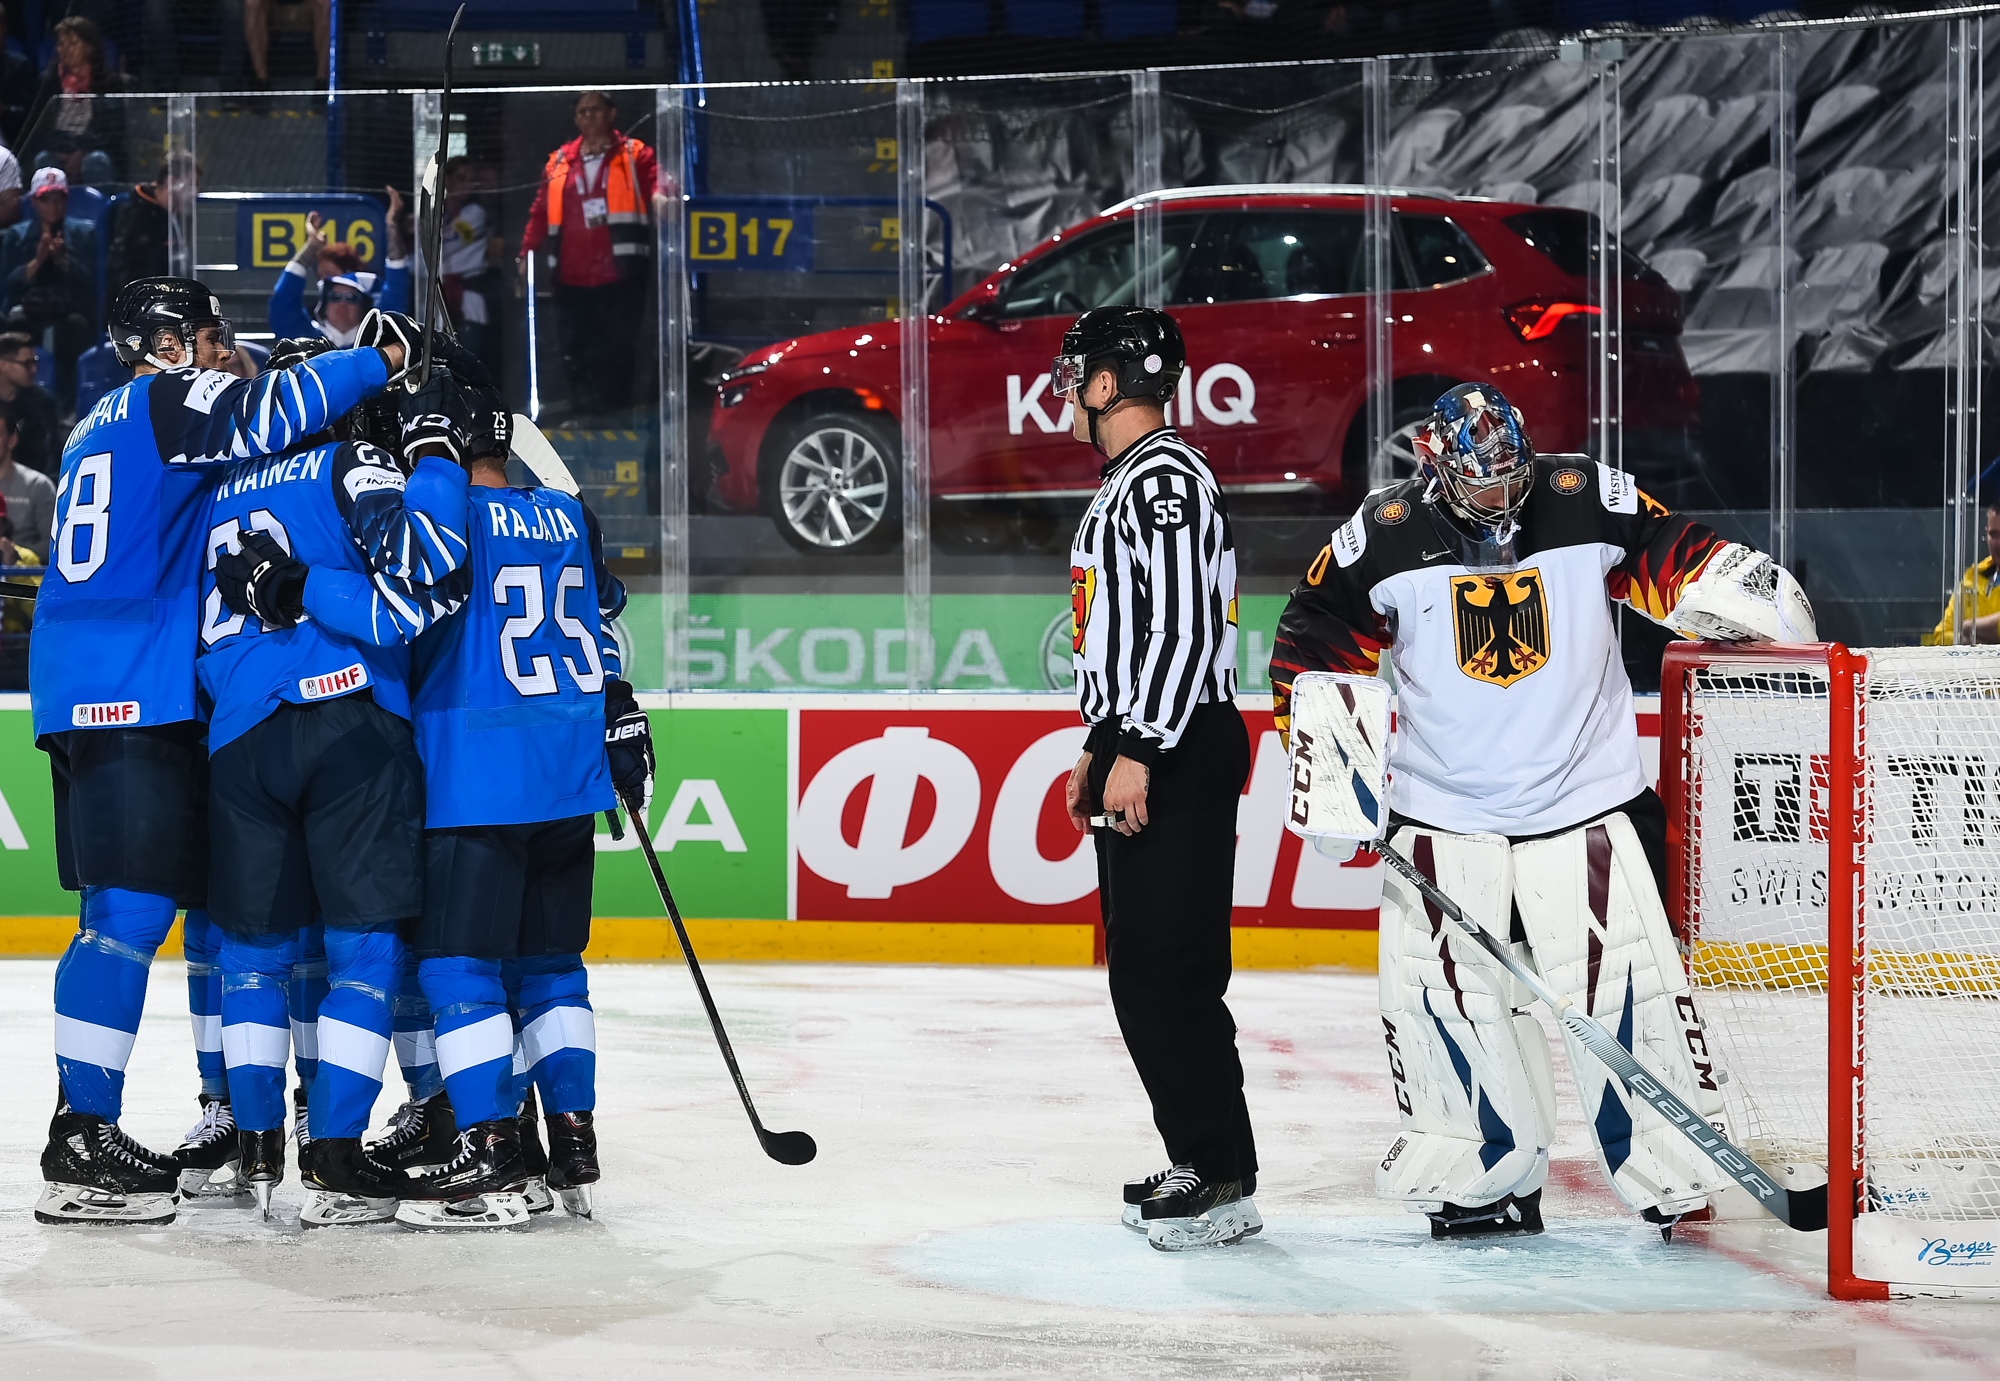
(1472, 1076)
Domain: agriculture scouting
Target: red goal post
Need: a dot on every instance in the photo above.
(1833, 833)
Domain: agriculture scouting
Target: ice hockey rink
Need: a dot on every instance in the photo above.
(974, 1127)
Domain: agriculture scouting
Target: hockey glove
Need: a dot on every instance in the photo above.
(380, 328)
(628, 742)
(263, 580)
(440, 414)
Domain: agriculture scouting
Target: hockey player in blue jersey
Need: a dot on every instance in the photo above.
(512, 696)
(113, 692)
(318, 576)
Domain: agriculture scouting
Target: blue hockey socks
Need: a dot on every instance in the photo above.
(101, 991)
(256, 1031)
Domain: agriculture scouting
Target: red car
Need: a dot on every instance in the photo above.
(1267, 284)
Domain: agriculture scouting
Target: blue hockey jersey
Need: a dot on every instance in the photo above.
(509, 691)
(338, 508)
(115, 623)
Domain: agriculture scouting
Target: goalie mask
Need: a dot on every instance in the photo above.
(1477, 457)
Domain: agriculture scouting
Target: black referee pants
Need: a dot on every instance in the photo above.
(1165, 894)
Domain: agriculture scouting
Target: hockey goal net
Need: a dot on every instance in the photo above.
(1834, 870)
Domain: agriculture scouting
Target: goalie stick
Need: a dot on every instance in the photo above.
(1344, 795)
(787, 1148)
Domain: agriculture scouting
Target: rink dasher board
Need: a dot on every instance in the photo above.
(771, 861)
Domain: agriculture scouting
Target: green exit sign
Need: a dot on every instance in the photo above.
(506, 52)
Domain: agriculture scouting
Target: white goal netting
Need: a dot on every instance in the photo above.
(1758, 879)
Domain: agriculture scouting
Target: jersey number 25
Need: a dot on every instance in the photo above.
(538, 677)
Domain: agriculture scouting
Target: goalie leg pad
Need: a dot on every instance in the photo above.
(1475, 1121)
(1599, 934)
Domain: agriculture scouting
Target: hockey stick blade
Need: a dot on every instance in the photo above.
(541, 458)
(787, 1148)
(9, 590)
(1803, 1210)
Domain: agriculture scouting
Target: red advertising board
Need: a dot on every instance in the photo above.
(957, 816)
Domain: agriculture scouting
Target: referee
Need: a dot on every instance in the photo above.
(1153, 596)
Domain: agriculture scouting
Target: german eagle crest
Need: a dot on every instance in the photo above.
(1502, 623)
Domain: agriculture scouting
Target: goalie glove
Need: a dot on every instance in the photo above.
(1743, 595)
(628, 741)
(263, 580)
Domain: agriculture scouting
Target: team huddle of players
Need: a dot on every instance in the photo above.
(308, 666)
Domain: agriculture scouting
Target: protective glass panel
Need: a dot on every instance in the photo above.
(795, 440)
(1023, 172)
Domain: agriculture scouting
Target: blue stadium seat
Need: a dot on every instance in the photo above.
(97, 373)
(45, 369)
(1119, 19)
(934, 19)
(1045, 18)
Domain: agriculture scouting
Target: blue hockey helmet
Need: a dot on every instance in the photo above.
(1477, 453)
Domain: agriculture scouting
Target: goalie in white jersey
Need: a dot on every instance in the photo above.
(1516, 787)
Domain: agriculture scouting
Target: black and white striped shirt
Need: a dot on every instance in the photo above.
(1152, 575)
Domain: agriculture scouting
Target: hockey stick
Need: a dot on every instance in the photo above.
(430, 212)
(9, 590)
(787, 1148)
(1802, 1209)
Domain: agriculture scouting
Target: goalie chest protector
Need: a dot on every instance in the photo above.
(1514, 714)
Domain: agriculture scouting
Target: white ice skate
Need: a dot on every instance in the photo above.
(1187, 1211)
(324, 1208)
(485, 1211)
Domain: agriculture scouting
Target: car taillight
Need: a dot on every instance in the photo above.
(1538, 316)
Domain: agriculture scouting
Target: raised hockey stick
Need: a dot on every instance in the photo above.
(9, 590)
(1803, 1209)
(788, 1148)
(1340, 752)
(430, 213)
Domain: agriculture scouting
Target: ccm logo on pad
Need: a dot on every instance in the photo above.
(334, 682)
(97, 716)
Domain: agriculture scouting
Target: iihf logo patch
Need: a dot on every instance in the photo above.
(1568, 481)
(1392, 512)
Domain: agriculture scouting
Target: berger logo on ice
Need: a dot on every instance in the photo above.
(99, 716)
(334, 682)
(1942, 1251)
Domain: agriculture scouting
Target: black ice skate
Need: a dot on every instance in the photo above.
(1509, 1216)
(421, 1137)
(533, 1156)
(482, 1187)
(263, 1156)
(301, 1134)
(347, 1186)
(1138, 1191)
(97, 1174)
(207, 1156)
(573, 1160)
(1187, 1211)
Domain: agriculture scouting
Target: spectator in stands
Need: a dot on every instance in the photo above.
(594, 214)
(51, 286)
(345, 291)
(17, 88)
(1977, 604)
(471, 254)
(28, 495)
(141, 228)
(34, 420)
(257, 37)
(10, 188)
(68, 127)
(16, 615)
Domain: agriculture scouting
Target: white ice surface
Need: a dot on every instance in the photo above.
(974, 1126)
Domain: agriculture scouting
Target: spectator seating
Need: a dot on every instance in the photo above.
(97, 373)
(45, 369)
(931, 20)
(1123, 19)
(1044, 18)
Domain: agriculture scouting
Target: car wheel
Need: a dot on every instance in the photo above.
(836, 484)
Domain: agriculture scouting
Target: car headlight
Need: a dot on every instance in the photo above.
(734, 386)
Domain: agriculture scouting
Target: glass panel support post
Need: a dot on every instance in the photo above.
(425, 116)
(1147, 244)
(1378, 239)
(182, 177)
(1784, 342)
(1964, 289)
(914, 320)
(1607, 285)
(670, 231)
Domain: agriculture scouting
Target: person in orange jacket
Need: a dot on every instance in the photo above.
(593, 216)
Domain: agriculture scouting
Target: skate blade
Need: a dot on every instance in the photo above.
(262, 1189)
(325, 1209)
(537, 1195)
(1132, 1218)
(65, 1204)
(223, 1182)
(475, 1212)
(1216, 1228)
(576, 1202)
